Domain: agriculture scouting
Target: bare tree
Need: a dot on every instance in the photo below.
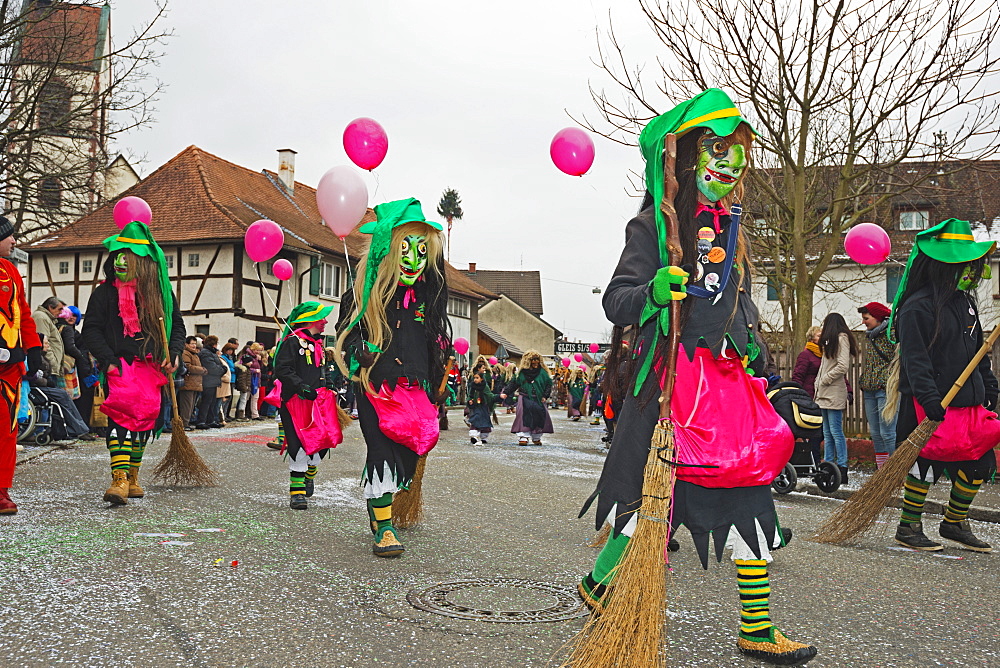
(843, 96)
(67, 92)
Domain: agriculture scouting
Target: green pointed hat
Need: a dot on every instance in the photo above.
(137, 238)
(950, 241)
(711, 109)
(388, 216)
(305, 312)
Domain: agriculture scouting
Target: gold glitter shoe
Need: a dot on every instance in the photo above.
(135, 491)
(776, 649)
(387, 545)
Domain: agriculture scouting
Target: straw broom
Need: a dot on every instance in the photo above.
(860, 512)
(182, 465)
(408, 504)
(630, 631)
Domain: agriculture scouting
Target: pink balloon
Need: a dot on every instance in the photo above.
(578, 357)
(493, 360)
(282, 269)
(366, 143)
(461, 345)
(867, 243)
(572, 151)
(342, 199)
(129, 209)
(583, 367)
(565, 362)
(263, 240)
(595, 348)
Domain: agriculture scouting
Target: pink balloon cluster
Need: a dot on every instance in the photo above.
(572, 151)
(366, 143)
(342, 199)
(263, 240)
(867, 243)
(132, 209)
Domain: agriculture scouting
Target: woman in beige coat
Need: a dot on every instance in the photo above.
(838, 347)
(189, 394)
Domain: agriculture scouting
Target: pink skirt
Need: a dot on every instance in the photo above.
(723, 420)
(134, 394)
(967, 433)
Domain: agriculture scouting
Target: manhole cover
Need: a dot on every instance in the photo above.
(499, 600)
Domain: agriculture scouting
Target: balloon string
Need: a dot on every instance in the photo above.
(378, 182)
(347, 259)
(277, 316)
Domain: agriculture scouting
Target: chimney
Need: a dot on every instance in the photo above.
(472, 267)
(286, 168)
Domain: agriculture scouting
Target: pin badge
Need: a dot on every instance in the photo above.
(712, 281)
(716, 255)
(707, 234)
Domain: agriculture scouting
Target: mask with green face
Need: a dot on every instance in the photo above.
(970, 282)
(121, 266)
(414, 258)
(719, 168)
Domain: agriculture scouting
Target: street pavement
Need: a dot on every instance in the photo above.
(79, 588)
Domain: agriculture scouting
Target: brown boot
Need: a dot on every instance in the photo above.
(118, 492)
(134, 490)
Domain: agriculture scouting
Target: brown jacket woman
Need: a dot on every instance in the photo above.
(195, 371)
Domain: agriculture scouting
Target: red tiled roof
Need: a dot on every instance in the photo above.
(198, 198)
(64, 33)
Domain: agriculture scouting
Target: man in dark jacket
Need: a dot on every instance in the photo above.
(215, 369)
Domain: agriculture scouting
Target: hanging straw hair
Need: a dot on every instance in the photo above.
(149, 297)
(526, 359)
(376, 328)
(892, 394)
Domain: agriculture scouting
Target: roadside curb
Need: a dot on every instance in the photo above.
(931, 507)
(35, 452)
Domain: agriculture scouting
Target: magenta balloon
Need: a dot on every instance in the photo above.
(867, 243)
(572, 151)
(595, 348)
(565, 362)
(342, 198)
(282, 269)
(461, 345)
(366, 143)
(493, 360)
(263, 240)
(129, 209)
(578, 357)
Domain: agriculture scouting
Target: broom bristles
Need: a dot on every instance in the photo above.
(601, 537)
(183, 466)
(861, 511)
(408, 504)
(630, 632)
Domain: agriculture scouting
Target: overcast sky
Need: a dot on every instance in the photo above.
(470, 95)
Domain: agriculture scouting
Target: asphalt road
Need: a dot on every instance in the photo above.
(79, 588)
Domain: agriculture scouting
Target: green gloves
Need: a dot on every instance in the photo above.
(669, 284)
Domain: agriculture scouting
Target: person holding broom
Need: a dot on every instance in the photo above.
(730, 443)
(393, 338)
(123, 332)
(935, 319)
(299, 362)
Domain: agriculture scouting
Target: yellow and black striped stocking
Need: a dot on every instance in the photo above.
(120, 446)
(963, 491)
(914, 494)
(755, 590)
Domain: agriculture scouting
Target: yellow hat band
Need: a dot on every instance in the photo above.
(711, 116)
(956, 237)
(133, 241)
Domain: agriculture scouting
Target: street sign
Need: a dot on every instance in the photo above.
(565, 347)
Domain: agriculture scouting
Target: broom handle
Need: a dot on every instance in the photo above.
(976, 359)
(675, 253)
(170, 377)
(444, 380)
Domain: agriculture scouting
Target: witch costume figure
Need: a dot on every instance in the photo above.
(310, 418)
(935, 319)
(533, 385)
(479, 401)
(730, 444)
(122, 331)
(393, 336)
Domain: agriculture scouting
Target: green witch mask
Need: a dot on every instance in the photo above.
(121, 266)
(414, 258)
(969, 281)
(719, 167)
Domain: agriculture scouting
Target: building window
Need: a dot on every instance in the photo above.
(201, 329)
(64, 267)
(54, 104)
(773, 288)
(50, 193)
(458, 307)
(194, 259)
(893, 275)
(913, 220)
(331, 277)
(88, 266)
(169, 261)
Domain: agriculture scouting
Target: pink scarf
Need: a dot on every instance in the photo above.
(127, 307)
(716, 212)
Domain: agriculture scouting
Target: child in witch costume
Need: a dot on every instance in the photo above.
(480, 400)
(935, 319)
(392, 338)
(730, 444)
(533, 385)
(577, 386)
(299, 361)
(122, 331)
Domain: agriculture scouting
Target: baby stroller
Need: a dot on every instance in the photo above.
(45, 420)
(803, 416)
